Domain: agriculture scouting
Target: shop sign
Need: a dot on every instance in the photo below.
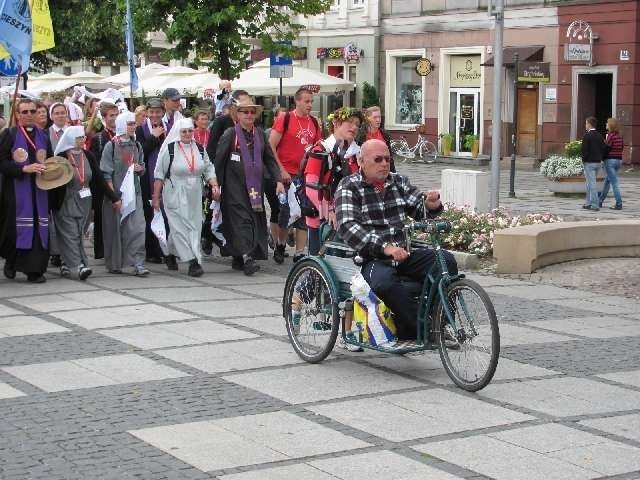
(351, 53)
(331, 53)
(534, 72)
(465, 71)
(551, 94)
(424, 67)
(312, 88)
(625, 55)
(578, 52)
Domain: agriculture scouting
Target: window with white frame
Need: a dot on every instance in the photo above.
(357, 3)
(404, 88)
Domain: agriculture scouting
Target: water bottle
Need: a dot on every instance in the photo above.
(282, 198)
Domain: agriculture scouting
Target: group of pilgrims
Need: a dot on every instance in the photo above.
(127, 172)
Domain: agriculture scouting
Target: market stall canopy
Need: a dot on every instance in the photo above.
(55, 82)
(181, 78)
(148, 71)
(257, 81)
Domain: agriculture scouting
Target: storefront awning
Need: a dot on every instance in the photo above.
(531, 53)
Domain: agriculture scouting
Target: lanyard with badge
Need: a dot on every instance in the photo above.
(84, 191)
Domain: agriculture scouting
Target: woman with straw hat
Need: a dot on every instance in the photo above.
(74, 211)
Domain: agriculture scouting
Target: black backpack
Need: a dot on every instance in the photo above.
(287, 117)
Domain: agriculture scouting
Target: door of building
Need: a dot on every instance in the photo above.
(527, 121)
(464, 117)
(595, 98)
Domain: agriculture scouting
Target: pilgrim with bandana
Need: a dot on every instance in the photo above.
(24, 208)
(242, 160)
(72, 215)
(179, 180)
(123, 230)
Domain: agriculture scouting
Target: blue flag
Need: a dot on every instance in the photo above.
(15, 30)
(133, 75)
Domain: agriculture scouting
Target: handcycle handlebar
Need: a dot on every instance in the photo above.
(433, 226)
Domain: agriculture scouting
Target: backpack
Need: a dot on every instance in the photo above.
(171, 148)
(307, 207)
(287, 117)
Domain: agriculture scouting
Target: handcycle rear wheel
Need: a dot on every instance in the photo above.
(310, 311)
(470, 354)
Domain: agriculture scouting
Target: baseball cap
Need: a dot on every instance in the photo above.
(171, 94)
(155, 103)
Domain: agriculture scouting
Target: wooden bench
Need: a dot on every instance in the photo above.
(525, 249)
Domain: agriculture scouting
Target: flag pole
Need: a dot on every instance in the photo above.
(12, 119)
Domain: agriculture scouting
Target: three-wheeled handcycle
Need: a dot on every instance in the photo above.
(455, 314)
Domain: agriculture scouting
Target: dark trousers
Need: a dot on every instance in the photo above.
(385, 283)
(98, 242)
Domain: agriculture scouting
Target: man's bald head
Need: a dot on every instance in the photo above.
(375, 160)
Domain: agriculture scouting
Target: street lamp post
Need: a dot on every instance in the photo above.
(514, 136)
(496, 126)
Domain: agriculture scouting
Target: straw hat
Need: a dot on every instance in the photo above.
(58, 171)
(247, 102)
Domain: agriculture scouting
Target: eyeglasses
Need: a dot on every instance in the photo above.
(186, 130)
(380, 158)
(131, 124)
(81, 137)
(251, 111)
(28, 112)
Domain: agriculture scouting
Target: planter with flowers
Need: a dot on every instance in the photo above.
(472, 232)
(565, 173)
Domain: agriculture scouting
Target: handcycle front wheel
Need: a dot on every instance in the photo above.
(470, 352)
(310, 311)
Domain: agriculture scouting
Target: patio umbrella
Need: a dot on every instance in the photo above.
(169, 77)
(257, 81)
(148, 71)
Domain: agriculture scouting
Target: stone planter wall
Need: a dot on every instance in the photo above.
(571, 185)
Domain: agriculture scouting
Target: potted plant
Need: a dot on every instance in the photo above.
(446, 140)
(566, 172)
(472, 143)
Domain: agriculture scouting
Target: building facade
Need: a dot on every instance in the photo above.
(437, 62)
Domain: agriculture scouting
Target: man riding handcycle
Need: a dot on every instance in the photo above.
(432, 306)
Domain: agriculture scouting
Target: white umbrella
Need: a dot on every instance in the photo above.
(170, 77)
(85, 76)
(257, 81)
(149, 70)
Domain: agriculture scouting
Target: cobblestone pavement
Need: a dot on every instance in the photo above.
(170, 377)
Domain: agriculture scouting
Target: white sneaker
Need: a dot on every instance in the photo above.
(348, 346)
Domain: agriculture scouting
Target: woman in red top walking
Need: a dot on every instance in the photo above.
(372, 129)
(612, 163)
(328, 162)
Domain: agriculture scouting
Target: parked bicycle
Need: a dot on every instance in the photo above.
(422, 151)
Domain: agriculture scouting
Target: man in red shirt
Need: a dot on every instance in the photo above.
(292, 133)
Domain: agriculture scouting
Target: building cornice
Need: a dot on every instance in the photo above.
(460, 21)
(340, 32)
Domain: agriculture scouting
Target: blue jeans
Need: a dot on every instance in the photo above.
(611, 167)
(590, 172)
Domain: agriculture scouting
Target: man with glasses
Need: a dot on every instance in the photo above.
(371, 208)
(24, 208)
(243, 157)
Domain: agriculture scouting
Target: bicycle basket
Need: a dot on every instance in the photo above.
(422, 129)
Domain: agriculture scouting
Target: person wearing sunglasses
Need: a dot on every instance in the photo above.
(243, 157)
(24, 207)
(123, 223)
(182, 166)
(371, 208)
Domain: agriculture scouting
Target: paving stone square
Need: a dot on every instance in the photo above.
(313, 383)
(628, 378)
(627, 426)
(7, 391)
(185, 294)
(541, 292)
(241, 355)
(594, 306)
(224, 309)
(246, 440)
(131, 282)
(74, 301)
(92, 372)
(120, 316)
(8, 311)
(421, 414)
(270, 290)
(27, 325)
(566, 396)
(54, 284)
(429, 367)
(231, 277)
(603, 326)
(271, 325)
(176, 334)
(504, 461)
(511, 334)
